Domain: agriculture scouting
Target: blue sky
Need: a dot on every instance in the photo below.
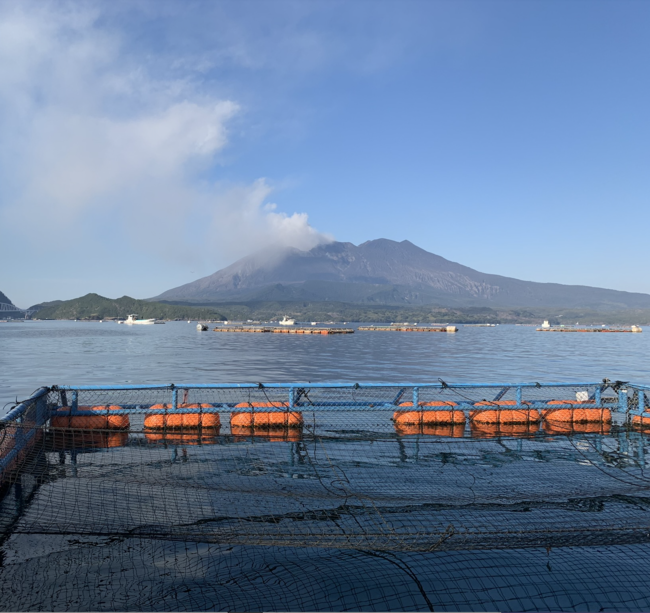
(146, 144)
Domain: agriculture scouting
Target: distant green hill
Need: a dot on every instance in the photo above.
(94, 306)
(12, 314)
(340, 311)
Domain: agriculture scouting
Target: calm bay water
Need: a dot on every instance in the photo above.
(33, 354)
(550, 476)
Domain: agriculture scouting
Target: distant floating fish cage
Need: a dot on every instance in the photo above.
(282, 330)
(408, 328)
(633, 329)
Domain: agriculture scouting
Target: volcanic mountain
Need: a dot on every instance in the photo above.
(384, 272)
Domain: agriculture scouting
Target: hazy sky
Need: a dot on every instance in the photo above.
(146, 144)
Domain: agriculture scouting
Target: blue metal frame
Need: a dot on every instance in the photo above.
(633, 399)
(341, 385)
(642, 401)
(22, 436)
(295, 397)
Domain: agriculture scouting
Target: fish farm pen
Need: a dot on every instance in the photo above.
(343, 497)
(633, 329)
(285, 330)
(414, 328)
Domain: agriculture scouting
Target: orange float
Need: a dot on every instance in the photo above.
(573, 416)
(8, 444)
(180, 440)
(446, 430)
(410, 418)
(503, 416)
(63, 440)
(265, 419)
(182, 421)
(64, 419)
(7, 439)
(486, 430)
(242, 433)
(592, 427)
(641, 421)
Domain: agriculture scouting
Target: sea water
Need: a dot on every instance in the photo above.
(38, 353)
(71, 571)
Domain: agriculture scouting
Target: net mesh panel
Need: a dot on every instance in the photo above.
(346, 512)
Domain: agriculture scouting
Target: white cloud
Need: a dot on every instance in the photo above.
(243, 221)
(95, 143)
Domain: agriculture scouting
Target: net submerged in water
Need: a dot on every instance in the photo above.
(325, 499)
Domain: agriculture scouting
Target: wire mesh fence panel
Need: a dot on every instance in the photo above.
(323, 497)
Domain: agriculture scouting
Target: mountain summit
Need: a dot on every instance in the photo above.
(386, 272)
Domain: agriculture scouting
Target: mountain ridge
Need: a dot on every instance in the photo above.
(4, 298)
(387, 272)
(93, 307)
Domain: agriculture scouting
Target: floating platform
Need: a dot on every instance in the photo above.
(479, 325)
(558, 329)
(284, 330)
(394, 328)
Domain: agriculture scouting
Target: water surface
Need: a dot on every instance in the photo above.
(33, 354)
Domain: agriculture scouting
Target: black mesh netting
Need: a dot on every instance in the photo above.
(347, 510)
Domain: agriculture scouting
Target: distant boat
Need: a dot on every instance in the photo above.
(546, 324)
(287, 322)
(132, 321)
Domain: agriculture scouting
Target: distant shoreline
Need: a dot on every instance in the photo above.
(93, 307)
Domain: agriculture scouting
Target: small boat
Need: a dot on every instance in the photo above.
(287, 322)
(132, 321)
(201, 327)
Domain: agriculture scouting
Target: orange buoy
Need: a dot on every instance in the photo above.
(8, 439)
(409, 418)
(62, 440)
(64, 419)
(180, 440)
(242, 433)
(503, 416)
(575, 415)
(641, 421)
(591, 427)
(8, 444)
(265, 419)
(492, 430)
(449, 430)
(182, 421)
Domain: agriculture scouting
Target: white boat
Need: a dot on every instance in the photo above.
(132, 321)
(287, 322)
(546, 324)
